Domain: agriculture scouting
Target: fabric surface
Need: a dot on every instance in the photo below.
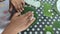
(4, 14)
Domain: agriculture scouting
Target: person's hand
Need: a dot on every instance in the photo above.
(18, 4)
(19, 23)
(1, 0)
(23, 21)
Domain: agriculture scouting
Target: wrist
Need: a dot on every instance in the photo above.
(10, 29)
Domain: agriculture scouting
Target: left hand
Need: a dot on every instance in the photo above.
(18, 4)
(1, 0)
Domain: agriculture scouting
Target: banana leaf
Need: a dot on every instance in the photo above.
(47, 7)
(56, 24)
(26, 9)
(49, 29)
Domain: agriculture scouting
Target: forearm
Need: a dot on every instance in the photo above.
(9, 30)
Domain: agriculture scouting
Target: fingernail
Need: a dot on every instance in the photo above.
(32, 18)
(33, 14)
(32, 11)
(23, 9)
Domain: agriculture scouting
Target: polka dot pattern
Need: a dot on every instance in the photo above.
(43, 21)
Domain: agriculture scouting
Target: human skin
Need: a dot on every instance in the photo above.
(18, 4)
(19, 23)
(1, 0)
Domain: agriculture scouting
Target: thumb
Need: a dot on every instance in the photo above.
(16, 14)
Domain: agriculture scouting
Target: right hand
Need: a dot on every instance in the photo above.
(22, 22)
(19, 23)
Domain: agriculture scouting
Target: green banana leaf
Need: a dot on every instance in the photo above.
(56, 24)
(49, 29)
(26, 9)
(47, 7)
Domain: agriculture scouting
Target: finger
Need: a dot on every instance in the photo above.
(18, 5)
(30, 22)
(21, 5)
(13, 2)
(15, 5)
(30, 17)
(23, 2)
(16, 14)
(27, 15)
(17, 9)
(10, 8)
(21, 8)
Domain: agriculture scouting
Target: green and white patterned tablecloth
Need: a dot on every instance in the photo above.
(44, 22)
